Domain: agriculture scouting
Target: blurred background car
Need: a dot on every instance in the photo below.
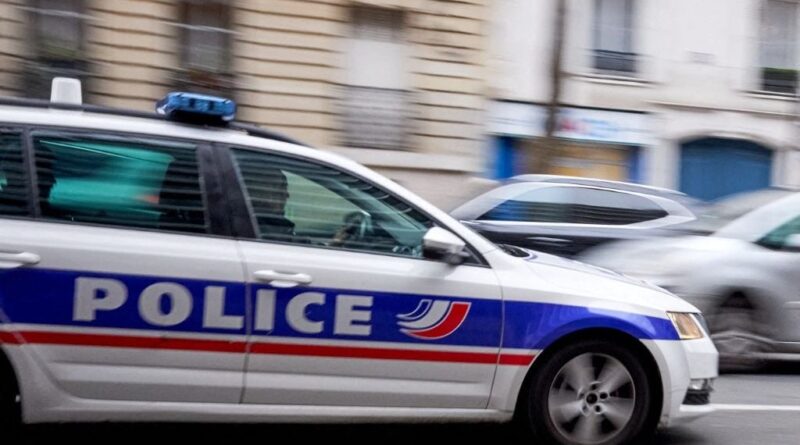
(565, 215)
(716, 214)
(745, 277)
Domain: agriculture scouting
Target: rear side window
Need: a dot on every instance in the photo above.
(576, 205)
(595, 206)
(13, 177)
(120, 181)
(549, 204)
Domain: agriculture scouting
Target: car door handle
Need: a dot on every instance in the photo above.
(11, 260)
(281, 278)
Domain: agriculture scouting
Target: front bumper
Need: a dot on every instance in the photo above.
(680, 363)
(699, 392)
(688, 413)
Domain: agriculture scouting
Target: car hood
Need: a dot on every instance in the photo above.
(578, 277)
(621, 255)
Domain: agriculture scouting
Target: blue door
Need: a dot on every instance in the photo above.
(715, 167)
(506, 158)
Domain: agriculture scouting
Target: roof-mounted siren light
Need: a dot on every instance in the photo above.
(197, 108)
(65, 90)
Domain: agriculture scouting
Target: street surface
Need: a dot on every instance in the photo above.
(759, 409)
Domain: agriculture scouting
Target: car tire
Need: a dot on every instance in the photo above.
(737, 334)
(9, 408)
(590, 392)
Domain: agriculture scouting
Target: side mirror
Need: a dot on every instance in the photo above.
(440, 244)
(792, 243)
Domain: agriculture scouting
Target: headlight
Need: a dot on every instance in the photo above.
(688, 325)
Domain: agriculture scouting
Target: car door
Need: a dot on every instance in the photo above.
(347, 311)
(773, 279)
(117, 281)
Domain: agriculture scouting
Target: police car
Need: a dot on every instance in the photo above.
(180, 266)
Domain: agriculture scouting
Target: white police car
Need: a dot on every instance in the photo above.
(180, 267)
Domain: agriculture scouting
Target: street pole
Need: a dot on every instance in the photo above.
(549, 144)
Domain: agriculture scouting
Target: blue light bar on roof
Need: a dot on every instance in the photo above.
(195, 107)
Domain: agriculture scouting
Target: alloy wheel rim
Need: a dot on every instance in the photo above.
(592, 398)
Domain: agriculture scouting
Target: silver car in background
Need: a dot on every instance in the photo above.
(745, 277)
(716, 214)
(564, 215)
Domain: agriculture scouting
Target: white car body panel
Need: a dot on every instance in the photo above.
(345, 380)
(681, 362)
(69, 251)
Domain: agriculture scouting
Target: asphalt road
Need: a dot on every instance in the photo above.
(761, 409)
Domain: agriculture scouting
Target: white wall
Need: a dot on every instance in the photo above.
(519, 49)
(698, 74)
(699, 52)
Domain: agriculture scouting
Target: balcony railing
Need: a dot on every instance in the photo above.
(375, 117)
(779, 80)
(198, 81)
(614, 61)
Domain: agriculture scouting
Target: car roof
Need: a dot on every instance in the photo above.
(604, 183)
(26, 112)
(43, 105)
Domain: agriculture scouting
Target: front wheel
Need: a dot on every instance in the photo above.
(590, 392)
(9, 409)
(736, 333)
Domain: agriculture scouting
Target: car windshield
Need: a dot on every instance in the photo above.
(756, 224)
(716, 214)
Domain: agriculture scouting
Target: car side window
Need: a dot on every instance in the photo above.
(778, 237)
(13, 176)
(575, 205)
(120, 181)
(596, 206)
(302, 202)
(547, 204)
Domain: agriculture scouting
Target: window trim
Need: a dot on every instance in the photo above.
(240, 216)
(20, 130)
(33, 177)
(234, 180)
(212, 191)
(221, 230)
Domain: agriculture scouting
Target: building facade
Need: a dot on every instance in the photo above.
(398, 85)
(696, 96)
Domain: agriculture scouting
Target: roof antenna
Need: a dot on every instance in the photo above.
(65, 90)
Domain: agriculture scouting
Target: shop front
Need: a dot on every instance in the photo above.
(597, 143)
